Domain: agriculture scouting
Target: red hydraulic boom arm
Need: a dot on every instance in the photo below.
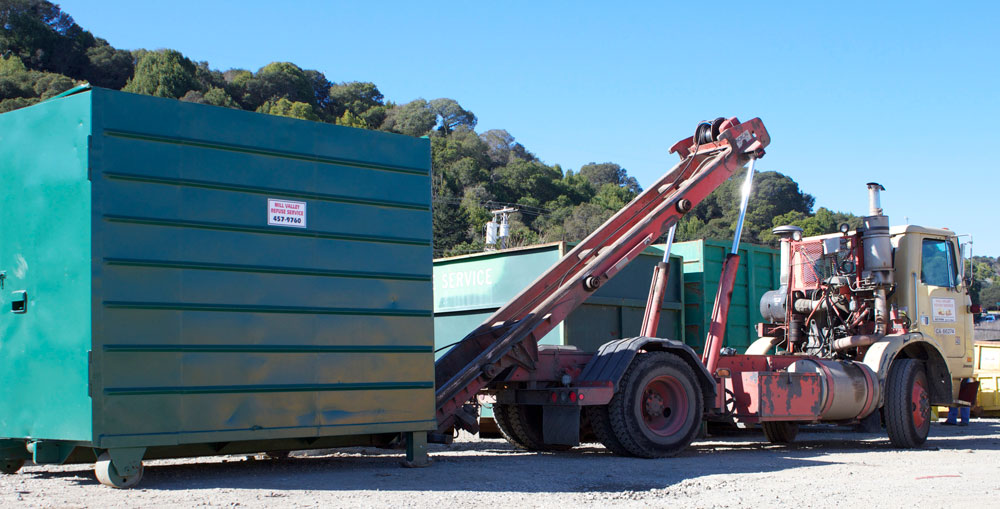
(510, 336)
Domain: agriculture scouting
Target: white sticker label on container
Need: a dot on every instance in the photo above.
(944, 332)
(286, 213)
(943, 310)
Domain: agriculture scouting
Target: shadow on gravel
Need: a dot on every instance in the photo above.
(484, 465)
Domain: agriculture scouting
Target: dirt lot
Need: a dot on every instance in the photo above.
(959, 467)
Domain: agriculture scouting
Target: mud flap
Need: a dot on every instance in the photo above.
(561, 425)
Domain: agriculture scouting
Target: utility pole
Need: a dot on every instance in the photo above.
(498, 229)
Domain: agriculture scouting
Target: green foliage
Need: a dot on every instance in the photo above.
(164, 73)
(772, 195)
(414, 118)
(473, 173)
(20, 87)
(349, 119)
(363, 100)
(609, 173)
(109, 67)
(43, 37)
(450, 115)
(285, 108)
(990, 296)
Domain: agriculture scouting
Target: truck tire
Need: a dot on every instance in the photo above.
(780, 432)
(657, 411)
(600, 422)
(521, 425)
(500, 415)
(907, 405)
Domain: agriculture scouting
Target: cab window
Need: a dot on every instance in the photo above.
(937, 267)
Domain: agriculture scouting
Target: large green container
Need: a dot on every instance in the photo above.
(202, 275)
(759, 270)
(468, 289)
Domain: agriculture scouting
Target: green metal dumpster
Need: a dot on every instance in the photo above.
(180, 279)
(468, 289)
(758, 272)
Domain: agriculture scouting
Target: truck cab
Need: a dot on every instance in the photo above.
(931, 291)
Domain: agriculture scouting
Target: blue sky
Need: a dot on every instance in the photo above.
(902, 93)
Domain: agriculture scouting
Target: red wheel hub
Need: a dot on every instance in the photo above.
(664, 405)
(919, 404)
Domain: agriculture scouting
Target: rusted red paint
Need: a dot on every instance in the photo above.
(778, 396)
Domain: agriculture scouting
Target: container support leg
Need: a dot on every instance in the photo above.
(127, 460)
(416, 449)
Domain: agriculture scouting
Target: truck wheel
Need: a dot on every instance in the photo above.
(500, 415)
(657, 410)
(907, 404)
(521, 425)
(780, 432)
(600, 422)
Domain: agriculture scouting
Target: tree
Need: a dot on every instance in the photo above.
(609, 173)
(772, 195)
(214, 97)
(286, 108)
(414, 118)
(272, 82)
(108, 67)
(164, 73)
(321, 90)
(522, 179)
(20, 87)
(451, 115)
(44, 37)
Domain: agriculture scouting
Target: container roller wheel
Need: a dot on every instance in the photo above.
(907, 404)
(521, 425)
(11, 466)
(108, 475)
(658, 408)
(780, 432)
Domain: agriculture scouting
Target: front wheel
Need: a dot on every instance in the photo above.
(780, 432)
(907, 404)
(657, 410)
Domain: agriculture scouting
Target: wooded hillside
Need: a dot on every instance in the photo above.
(44, 52)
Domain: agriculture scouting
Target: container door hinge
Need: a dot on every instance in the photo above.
(90, 373)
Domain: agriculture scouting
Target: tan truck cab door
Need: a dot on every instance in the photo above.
(942, 302)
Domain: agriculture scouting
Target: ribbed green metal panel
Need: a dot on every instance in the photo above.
(703, 261)
(45, 252)
(208, 324)
(467, 289)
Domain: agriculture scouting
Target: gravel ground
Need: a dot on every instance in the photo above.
(958, 467)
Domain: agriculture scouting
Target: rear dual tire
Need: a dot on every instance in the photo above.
(656, 412)
(521, 425)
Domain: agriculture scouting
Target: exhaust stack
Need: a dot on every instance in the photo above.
(878, 254)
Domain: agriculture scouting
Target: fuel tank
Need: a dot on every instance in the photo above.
(849, 390)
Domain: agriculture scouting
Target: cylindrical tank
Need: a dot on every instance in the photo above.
(850, 390)
(772, 305)
(878, 248)
(491, 232)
